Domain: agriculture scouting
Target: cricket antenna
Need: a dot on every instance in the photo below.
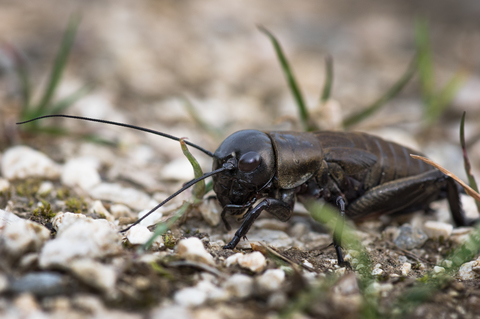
(123, 125)
(227, 166)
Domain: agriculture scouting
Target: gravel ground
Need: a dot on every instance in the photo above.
(63, 199)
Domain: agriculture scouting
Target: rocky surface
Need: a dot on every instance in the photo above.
(64, 201)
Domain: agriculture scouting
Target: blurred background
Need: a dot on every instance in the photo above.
(161, 64)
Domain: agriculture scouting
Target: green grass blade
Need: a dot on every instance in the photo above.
(466, 160)
(440, 101)
(327, 88)
(163, 227)
(59, 64)
(199, 188)
(66, 102)
(425, 60)
(292, 82)
(391, 93)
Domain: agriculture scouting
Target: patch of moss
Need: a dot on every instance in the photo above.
(44, 211)
(169, 241)
(28, 187)
(423, 279)
(76, 205)
(63, 193)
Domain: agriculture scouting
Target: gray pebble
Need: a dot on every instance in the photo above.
(40, 284)
(410, 238)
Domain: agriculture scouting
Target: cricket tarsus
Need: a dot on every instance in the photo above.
(123, 125)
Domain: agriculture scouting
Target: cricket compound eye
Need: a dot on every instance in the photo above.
(249, 161)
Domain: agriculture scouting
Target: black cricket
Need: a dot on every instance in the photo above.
(363, 175)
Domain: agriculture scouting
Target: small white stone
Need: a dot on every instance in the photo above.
(120, 210)
(255, 261)
(7, 218)
(233, 259)
(470, 270)
(64, 220)
(171, 311)
(213, 292)
(376, 288)
(3, 283)
(469, 204)
(25, 306)
(331, 261)
(390, 233)
(271, 280)
(447, 263)
(97, 207)
(405, 268)
(277, 300)
(88, 303)
(310, 277)
(93, 273)
(346, 285)
(340, 271)
(192, 249)
(119, 194)
(348, 303)
(438, 269)
(460, 234)
(307, 263)
(45, 188)
(20, 162)
(139, 235)
(80, 238)
(21, 236)
(435, 229)
(239, 285)
(346, 293)
(217, 245)
(377, 270)
(81, 172)
(190, 297)
(4, 184)
(211, 210)
(152, 219)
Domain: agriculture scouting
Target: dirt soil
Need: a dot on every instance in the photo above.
(145, 61)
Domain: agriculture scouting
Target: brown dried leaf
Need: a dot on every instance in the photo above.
(467, 188)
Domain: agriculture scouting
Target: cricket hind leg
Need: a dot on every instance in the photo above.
(409, 194)
(455, 204)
